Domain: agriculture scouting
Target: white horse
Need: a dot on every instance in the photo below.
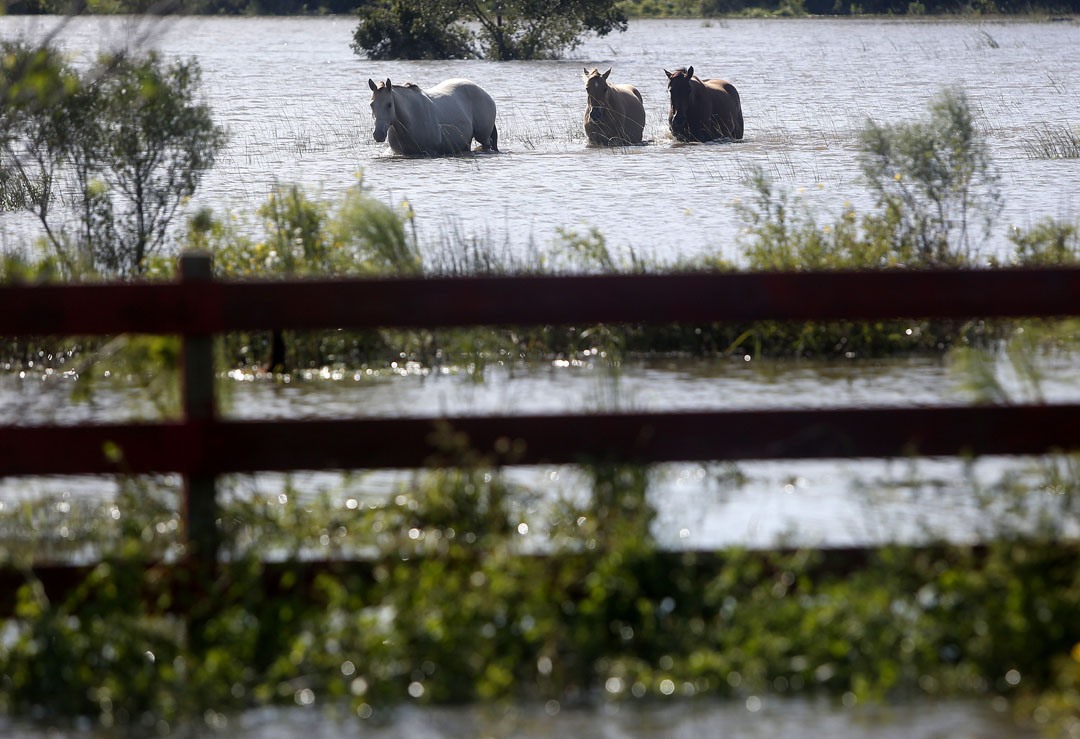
(442, 120)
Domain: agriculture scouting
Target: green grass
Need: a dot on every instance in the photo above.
(1053, 142)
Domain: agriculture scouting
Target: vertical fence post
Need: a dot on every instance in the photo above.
(200, 497)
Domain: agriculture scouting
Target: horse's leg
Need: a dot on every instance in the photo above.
(491, 143)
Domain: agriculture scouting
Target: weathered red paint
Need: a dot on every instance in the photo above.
(216, 447)
(220, 306)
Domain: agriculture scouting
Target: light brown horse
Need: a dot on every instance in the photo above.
(615, 115)
(703, 110)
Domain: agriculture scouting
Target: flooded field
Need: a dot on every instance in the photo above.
(295, 100)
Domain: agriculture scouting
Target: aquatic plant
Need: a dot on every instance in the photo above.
(1053, 142)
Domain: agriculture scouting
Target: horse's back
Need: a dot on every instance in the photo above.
(727, 106)
(633, 111)
(466, 107)
(466, 92)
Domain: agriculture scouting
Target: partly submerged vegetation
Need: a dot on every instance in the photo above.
(453, 602)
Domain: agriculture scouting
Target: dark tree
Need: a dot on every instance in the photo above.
(411, 29)
(538, 29)
(505, 29)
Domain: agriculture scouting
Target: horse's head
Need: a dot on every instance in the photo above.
(382, 108)
(679, 88)
(596, 87)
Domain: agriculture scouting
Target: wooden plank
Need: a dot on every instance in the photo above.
(536, 300)
(247, 446)
(200, 510)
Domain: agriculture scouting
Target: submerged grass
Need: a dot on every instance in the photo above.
(1053, 142)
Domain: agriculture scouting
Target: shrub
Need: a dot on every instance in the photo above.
(934, 181)
(124, 143)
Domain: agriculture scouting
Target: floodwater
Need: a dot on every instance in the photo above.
(295, 99)
(755, 717)
(757, 504)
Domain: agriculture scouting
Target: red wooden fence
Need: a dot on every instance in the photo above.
(202, 446)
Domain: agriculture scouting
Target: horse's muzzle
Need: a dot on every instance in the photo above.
(379, 134)
(680, 126)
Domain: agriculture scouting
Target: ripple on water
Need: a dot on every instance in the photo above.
(294, 98)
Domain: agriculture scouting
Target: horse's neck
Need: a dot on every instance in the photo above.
(417, 119)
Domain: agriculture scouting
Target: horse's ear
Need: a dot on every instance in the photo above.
(668, 74)
(690, 73)
(372, 85)
(585, 71)
(605, 74)
(388, 85)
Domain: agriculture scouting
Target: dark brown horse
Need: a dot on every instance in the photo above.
(703, 110)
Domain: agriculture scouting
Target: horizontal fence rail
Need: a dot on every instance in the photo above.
(220, 447)
(219, 306)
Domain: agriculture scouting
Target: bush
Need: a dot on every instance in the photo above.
(521, 29)
(934, 181)
(399, 29)
(125, 143)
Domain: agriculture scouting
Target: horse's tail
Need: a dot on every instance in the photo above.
(494, 138)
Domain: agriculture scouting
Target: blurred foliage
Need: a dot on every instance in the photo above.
(122, 145)
(502, 30)
(471, 591)
(931, 179)
(1046, 243)
(934, 182)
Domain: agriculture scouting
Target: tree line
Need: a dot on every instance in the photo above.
(518, 29)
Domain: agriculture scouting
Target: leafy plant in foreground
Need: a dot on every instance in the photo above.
(124, 143)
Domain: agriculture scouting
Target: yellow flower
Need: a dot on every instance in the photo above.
(897, 176)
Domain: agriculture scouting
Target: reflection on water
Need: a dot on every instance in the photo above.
(295, 100)
(749, 717)
(756, 504)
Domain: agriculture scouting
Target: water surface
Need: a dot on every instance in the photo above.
(295, 100)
